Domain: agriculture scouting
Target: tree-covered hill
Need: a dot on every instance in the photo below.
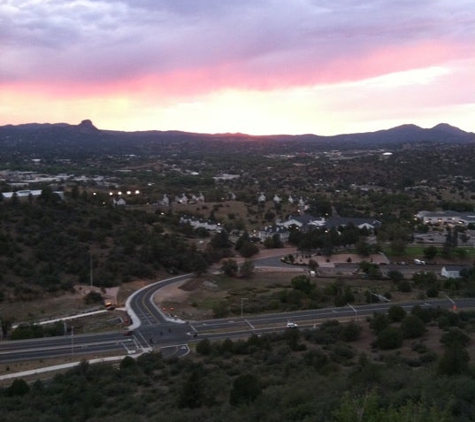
(48, 244)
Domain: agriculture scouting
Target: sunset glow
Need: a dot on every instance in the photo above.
(238, 66)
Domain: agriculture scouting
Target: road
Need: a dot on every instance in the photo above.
(153, 329)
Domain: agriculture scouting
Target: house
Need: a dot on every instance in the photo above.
(307, 222)
(165, 200)
(270, 231)
(303, 222)
(199, 222)
(451, 271)
(119, 202)
(368, 223)
(182, 199)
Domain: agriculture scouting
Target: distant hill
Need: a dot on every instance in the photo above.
(84, 139)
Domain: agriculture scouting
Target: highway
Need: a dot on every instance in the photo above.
(153, 329)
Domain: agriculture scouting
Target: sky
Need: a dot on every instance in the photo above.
(250, 66)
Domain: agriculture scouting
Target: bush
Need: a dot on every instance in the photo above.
(204, 347)
(379, 322)
(350, 332)
(405, 286)
(396, 313)
(93, 298)
(245, 390)
(390, 338)
(412, 326)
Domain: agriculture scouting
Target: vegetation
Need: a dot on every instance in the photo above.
(289, 376)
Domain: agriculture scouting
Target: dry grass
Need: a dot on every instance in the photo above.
(47, 307)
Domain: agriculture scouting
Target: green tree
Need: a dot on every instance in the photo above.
(396, 313)
(127, 362)
(425, 279)
(203, 347)
(19, 387)
(398, 247)
(192, 392)
(350, 332)
(369, 408)
(412, 326)
(230, 267)
(197, 264)
(244, 238)
(248, 249)
(395, 276)
(363, 248)
(430, 253)
(5, 326)
(220, 240)
(312, 264)
(455, 359)
(246, 270)
(246, 389)
(303, 284)
(379, 322)
(93, 298)
(390, 338)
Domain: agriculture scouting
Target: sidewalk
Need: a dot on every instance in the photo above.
(62, 366)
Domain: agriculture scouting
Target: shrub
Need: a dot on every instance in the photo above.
(396, 313)
(390, 338)
(412, 326)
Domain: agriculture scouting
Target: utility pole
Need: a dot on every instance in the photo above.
(90, 268)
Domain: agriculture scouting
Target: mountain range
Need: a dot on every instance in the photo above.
(61, 139)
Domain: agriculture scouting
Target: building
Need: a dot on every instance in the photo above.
(446, 217)
(451, 271)
(270, 231)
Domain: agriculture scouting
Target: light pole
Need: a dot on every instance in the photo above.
(354, 310)
(242, 306)
(72, 340)
(454, 305)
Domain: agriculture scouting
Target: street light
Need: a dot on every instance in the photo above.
(354, 310)
(454, 305)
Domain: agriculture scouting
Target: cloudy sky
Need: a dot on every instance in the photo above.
(251, 66)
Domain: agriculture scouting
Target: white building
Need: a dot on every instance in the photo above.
(446, 217)
(451, 271)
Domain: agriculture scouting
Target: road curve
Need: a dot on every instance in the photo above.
(142, 309)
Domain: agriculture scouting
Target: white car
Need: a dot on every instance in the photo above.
(292, 325)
